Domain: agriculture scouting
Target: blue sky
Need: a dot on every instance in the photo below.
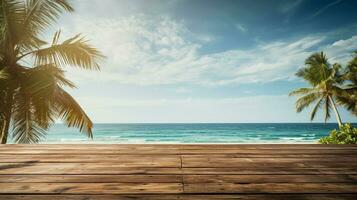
(205, 61)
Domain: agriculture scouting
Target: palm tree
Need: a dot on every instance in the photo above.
(31, 71)
(349, 98)
(325, 80)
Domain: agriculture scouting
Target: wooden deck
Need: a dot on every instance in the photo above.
(157, 172)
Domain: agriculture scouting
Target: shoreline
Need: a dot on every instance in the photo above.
(176, 143)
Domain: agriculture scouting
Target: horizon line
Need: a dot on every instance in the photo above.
(216, 123)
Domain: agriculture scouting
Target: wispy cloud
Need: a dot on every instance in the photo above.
(341, 51)
(164, 64)
(323, 9)
(290, 6)
(241, 28)
(159, 51)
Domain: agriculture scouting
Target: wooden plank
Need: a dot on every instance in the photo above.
(159, 151)
(271, 188)
(90, 188)
(227, 161)
(271, 178)
(185, 197)
(125, 160)
(234, 158)
(94, 197)
(137, 178)
(113, 168)
(168, 160)
(268, 171)
(81, 168)
(104, 156)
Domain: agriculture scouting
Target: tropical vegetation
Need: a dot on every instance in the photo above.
(32, 76)
(349, 99)
(346, 134)
(331, 85)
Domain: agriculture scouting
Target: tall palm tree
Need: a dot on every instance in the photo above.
(324, 79)
(31, 71)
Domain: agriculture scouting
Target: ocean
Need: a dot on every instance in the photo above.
(194, 133)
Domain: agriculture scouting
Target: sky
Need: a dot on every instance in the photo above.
(192, 61)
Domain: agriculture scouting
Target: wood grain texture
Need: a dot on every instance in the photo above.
(165, 171)
(178, 151)
(90, 188)
(271, 188)
(124, 160)
(185, 197)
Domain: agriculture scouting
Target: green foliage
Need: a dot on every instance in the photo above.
(346, 134)
(324, 80)
(32, 79)
(348, 98)
(330, 85)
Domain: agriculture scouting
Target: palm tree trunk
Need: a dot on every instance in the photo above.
(5, 123)
(338, 118)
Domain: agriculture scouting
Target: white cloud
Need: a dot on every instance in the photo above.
(157, 51)
(341, 50)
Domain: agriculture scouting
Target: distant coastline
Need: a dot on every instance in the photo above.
(193, 133)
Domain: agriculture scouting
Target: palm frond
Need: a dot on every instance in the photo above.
(348, 99)
(39, 15)
(3, 93)
(317, 69)
(72, 52)
(25, 127)
(28, 42)
(351, 74)
(7, 85)
(41, 82)
(3, 74)
(316, 108)
(51, 72)
(301, 91)
(72, 113)
(36, 103)
(11, 16)
(336, 75)
(42, 13)
(305, 101)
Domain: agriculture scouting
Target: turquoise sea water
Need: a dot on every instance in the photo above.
(194, 133)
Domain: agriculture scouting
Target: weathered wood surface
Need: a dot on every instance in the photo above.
(167, 171)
